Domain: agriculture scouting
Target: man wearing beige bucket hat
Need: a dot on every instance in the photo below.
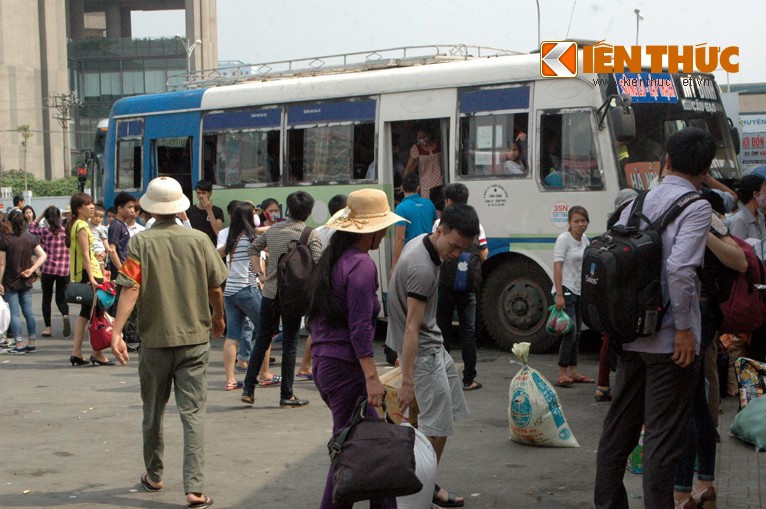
(343, 326)
(428, 371)
(175, 326)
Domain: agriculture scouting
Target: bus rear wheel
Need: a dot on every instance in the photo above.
(514, 305)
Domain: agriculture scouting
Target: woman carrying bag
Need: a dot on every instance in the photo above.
(84, 267)
(16, 270)
(344, 308)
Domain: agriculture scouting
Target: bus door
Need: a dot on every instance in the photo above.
(173, 144)
(417, 136)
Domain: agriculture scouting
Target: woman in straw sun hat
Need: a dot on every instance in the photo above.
(343, 327)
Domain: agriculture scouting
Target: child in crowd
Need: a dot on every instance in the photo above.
(514, 164)
(100, 234)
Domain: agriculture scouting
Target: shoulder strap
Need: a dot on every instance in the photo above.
(636, 212)
(305, 235)
(675, 210)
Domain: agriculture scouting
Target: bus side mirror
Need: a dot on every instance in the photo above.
(620, 115)
(623, 123)
(734, 136)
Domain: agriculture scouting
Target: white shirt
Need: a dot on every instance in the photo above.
(570, 252)
(151, 222)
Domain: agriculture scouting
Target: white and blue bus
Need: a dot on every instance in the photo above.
(338, 128)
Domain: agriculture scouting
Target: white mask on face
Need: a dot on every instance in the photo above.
(256, 220)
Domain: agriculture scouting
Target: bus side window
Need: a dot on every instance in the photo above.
(129, 157)
(239, 158)
(494, 145)
(568, 156)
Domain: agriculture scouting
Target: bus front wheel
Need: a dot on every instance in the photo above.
(514, 305)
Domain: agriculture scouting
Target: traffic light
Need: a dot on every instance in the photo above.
(82, 177)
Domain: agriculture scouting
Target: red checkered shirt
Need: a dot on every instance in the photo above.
(54, 245)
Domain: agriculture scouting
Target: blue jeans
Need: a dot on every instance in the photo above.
(246, 343)
(466, 314)
(700, 441)
(21, 301)
(290, 329)
(570, 342)
(243, 311)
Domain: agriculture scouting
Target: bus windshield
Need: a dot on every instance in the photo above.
(663, 104)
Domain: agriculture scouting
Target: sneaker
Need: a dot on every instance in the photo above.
(17, 351)
(3, 342)
(30, 349)
(8, 343)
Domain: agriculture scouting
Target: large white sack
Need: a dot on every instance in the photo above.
(535, 416)
(425, 468)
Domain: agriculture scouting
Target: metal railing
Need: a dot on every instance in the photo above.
(332, 64)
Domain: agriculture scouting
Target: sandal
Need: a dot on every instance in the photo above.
(147, 486)
(267, 382)
(305, 376)
(603, 394)
(583, 380)
(234, 386)
(207, 502)
(451, 501)
(564, 382)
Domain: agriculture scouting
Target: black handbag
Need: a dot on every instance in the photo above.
(79, 293)
(372, 458)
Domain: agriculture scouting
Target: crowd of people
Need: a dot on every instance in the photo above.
(231, 276)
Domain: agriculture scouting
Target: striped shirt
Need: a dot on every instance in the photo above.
(54, 245)
(241, 273)
(277, 239)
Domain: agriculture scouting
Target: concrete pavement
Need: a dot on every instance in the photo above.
(72, 438)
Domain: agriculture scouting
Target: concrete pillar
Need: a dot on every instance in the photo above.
(76, 19)
(113, 21)
(126, 26)
(202, 24)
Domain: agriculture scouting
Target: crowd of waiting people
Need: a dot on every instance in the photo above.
(439, 246)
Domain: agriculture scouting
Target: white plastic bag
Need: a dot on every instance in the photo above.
(535, 416)
(425, 468)
(5, 316)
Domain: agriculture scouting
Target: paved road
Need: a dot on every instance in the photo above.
(72, 438)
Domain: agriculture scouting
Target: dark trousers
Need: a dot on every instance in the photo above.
(570, 343)
(649, 389)
(341, 383)
(47, 281)
(290, 328)
(466, 314)
(604, 362)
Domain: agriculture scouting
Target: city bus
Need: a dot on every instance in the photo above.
(331, 129)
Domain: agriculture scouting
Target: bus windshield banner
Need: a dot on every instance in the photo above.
(647, 87)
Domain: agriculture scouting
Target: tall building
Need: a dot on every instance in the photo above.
(80, 54)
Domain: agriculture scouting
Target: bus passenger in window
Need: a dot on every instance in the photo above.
(426, 155)
(514, 164)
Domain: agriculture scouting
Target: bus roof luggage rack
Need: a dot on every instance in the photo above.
(332, 64)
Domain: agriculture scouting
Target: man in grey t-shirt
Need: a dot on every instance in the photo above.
(428, 371)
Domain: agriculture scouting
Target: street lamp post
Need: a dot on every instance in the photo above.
(638, 20)
(189, 46)
(538, 23)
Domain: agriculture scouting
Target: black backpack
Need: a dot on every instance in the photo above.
(295, 270)
(464, 273)
(621, 291)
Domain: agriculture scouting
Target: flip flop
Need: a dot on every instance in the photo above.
(472, 386)
(583, 380)
(564, 382)
(267, 382)
(234, 386)
(451, 501)
(305, 376)
(201, 505)
(148, 487)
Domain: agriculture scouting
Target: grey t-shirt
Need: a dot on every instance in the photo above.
(416, 275)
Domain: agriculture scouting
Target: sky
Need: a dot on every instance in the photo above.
(257, 31)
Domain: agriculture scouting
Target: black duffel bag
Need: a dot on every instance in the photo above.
(373, 459)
